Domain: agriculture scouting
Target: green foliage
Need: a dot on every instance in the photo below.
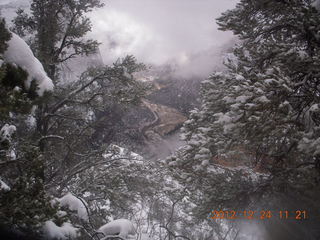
(4, 36)
(74, 127)
(278, 63)
(92, 110)
(26, 205)
(15, 98)
(265, 105)
(59, 28)
(22, 23)
(15, 76)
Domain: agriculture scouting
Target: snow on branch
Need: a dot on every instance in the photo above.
(20, 54)
(75, 204)
(48, 137)
(64, 232)
(6, 132)
(4, 187)
(120, 228)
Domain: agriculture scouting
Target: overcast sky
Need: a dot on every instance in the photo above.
(157, 31)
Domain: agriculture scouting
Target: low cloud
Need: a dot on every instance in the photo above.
(161, 32)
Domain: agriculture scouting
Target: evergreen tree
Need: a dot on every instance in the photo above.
(59, 28)
(4, 37)
(277, 61)
(78, 121)
(264, 106)
(24, 206)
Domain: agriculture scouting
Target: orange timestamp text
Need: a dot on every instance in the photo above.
(262, 215)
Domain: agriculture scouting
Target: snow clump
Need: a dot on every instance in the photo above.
(66, 231)
(20, 54)
(74, 204)
(119, 227)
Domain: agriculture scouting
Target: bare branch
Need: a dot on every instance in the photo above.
(75, 92)
(50, 137)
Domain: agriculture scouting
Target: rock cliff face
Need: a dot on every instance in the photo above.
(157, 134)
(164, 111)
(152, 129)
(167, 119)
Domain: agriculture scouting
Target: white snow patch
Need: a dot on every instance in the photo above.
(4, 187)
(145, 236)
(61, 213)
(205, 162)
(222, 118)
(316, 4)
(31, 122)
(314, 108)
(116, 152)
(12, 154)
(6, 132)
(126, 73)
(215, 170)
(87, 194)
(239, 77)
(263, 99)
(19, 53)
(119, 227)
(269, 80)
(74, 204)
(172, 163)
(66, 231)
(228, 99)
(90, 116)
(242, 99)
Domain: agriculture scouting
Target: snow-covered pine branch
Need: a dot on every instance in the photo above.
(19, 53)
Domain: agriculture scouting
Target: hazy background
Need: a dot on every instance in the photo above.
(183, 32)
(176, 32)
